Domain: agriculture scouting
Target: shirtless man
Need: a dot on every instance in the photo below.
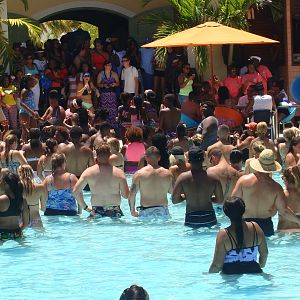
(78, 155)
(180, 165)
(223, 143)
(107, 184)
(154, 183)
(197, 187)
(169, 117)
(222, 171)
(262, 195)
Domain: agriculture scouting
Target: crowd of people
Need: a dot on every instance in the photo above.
(81, 120)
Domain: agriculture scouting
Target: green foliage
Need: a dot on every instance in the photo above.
(56, 28)
(93, 30)
(189, 13)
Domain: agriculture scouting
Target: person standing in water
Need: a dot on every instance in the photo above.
(197, 188)
(238, 245)
(154, 183)
(107, 184)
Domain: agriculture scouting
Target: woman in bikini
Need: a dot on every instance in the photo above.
(238, 245)
(34, 193)
(292, 157)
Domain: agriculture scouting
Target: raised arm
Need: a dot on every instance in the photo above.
(40, 168)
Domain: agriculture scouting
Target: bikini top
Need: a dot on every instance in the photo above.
(246, 254)
(11, 165)
(12, 211)
(61, 199)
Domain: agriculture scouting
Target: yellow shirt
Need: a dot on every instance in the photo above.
(8, 95)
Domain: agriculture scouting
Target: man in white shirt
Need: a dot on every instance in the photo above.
(129, 76)
(261, 101)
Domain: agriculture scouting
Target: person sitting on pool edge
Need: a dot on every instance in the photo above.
(154, 183)
(107, 184)
(237, 246)
(197, 188)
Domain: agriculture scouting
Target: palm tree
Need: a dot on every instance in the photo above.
(34, 32)
(189, 13)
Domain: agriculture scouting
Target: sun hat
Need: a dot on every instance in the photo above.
(255, 57)
(251, 126)
(265, 163)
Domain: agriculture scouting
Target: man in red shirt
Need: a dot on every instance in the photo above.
(233, 82)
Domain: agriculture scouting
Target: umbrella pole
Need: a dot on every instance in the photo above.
(211, 62)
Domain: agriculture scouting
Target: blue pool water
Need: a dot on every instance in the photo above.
(76, 258)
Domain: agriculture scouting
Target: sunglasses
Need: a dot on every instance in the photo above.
(86, 76)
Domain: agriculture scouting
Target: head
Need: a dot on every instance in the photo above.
(126, 61)
(290, 133)
(251, 68)
(104, 129)
(72, 70)
(251, 91)
(197, 139)
(61, 134)
(266, 163)
(170, 100)
(103, 153)
(259, 89)
(53, 98)
(291, 178)
(51, 146)
(134, 134)
(255, 60)
(6, 81)
(208, 109)
(186, 69)
(150, 96)
(83, 117)
(258, 148)
(10, 183)
(152, 155)
(101, 115)
(295, 145)
(29, 59)
(232, 71)
(26, 175)
(125, 98)
(76, 133)
(58, 162)
(86, 77)
(177, 155)
(27, 82)
(181, 130)
(251, 128)
(214, 156)
(223, 132)
(196, 156)
(107, 65)
(114, 145)
(11, 142)
(236, 159)
(262, 129)
(223, 94)
(98, 44)
(234, 209)
(134, 292)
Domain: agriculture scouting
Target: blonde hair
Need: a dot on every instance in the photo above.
(289, 133)
(262, 129)
(26, 175)
(258, 147)
(114, 144)
(57, 160)
(9, 141)
(197, 139)
(292, 176)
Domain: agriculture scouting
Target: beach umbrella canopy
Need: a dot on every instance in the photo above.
(209, 34)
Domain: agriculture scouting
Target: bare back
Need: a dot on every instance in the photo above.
(169, 119)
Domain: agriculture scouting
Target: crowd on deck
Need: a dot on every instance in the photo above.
(76, 117)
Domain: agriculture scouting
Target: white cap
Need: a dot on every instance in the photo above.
(256, 57)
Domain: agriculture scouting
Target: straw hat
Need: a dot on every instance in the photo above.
(265, 163)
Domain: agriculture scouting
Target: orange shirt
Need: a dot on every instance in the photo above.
(99, 59)
(233, 85)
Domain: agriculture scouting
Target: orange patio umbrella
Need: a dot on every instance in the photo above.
(209, 34)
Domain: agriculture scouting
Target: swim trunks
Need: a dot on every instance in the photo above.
(108, 211)
(200, 218)
(58, 212)
(265, 224)
(153, 212)
(10, 234)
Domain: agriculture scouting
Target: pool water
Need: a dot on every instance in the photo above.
(78, 258)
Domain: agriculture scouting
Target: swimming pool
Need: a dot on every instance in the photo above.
(75, 258)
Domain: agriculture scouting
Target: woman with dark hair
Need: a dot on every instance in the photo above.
(133, 53)
(135, 147)
(107, 81)
(60, 190)
(44, 164)
(224, 97)
(134, 292)
(238, 245)
(99, 56)
(136, 111)
(185, 81)
(13, 208)
(292, 157)
(159, 141)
